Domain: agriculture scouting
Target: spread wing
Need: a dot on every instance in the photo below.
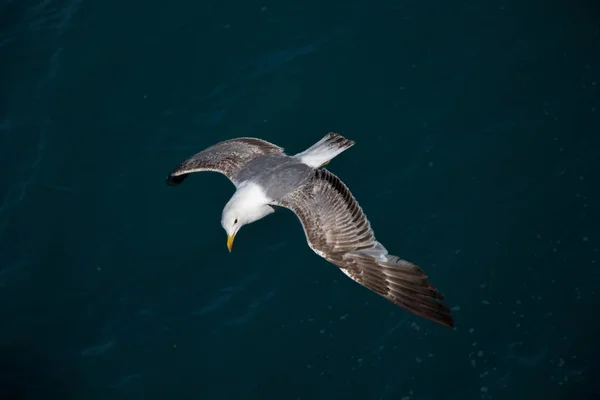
(337, 229)
(227, 157)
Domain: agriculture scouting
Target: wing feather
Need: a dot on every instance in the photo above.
(227, 157)
(337, 229)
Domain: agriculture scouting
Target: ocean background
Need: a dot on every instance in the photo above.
(477, 157)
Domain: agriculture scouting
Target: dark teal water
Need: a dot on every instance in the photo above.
(477, 157)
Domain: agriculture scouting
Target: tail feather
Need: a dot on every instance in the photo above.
(320, 153)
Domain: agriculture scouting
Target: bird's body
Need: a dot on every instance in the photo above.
(278, 175)
(335, 226)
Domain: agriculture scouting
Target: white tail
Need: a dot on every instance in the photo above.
(320, 153)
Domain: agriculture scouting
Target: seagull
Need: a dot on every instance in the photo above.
(335, 226)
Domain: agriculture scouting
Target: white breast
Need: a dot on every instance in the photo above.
(251, 194)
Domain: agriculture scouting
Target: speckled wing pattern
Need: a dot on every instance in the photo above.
(337, 229)
(226, 157)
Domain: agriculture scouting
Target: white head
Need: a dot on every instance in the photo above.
(244, 207)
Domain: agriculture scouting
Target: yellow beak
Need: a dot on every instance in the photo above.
(230, 241)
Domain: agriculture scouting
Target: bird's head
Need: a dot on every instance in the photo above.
(232, 220)
(239, 212)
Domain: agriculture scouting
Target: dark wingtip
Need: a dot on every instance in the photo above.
(174, 180)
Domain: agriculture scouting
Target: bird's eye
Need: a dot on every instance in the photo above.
(235, 222)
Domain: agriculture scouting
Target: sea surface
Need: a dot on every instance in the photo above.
(477, 157)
